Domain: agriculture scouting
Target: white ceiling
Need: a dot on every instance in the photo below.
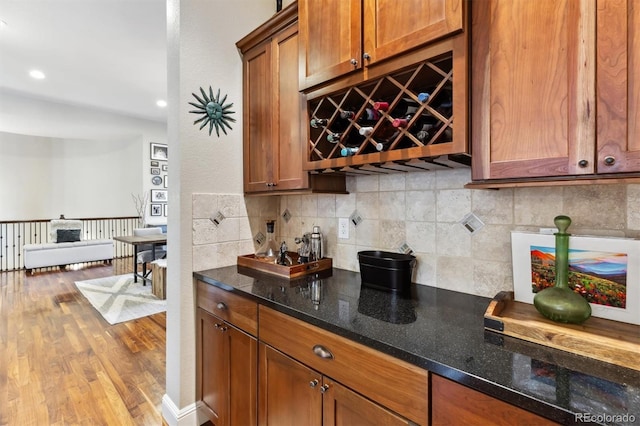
(105, 54)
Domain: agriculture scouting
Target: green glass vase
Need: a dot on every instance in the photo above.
(559, 303)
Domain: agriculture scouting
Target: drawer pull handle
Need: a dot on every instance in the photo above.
(221, 306)
(322, 352)
(324, 388)
(313, 383)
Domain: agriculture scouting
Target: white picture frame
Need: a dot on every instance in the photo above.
(159, 196)
(606, 268)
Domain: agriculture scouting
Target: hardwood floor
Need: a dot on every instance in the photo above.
(61, 363)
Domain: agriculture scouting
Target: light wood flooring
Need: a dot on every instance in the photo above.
(61, 363)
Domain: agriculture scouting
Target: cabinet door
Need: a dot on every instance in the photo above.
(213, 356)
(289, 392)
(453, 404)
(533, 86)
(342, 406)
(289, 143)
(227, 372)
(243, 377)
(618, 86)
(330, 39)
(258, 119)
(392, 27)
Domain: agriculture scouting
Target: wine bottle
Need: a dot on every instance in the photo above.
(366, 131)
(381, 106)
(403, 121)
(317, 123)
(346, 152)
(334, 137)
(385, 134)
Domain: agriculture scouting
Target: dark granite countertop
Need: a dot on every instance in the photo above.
(442, 331)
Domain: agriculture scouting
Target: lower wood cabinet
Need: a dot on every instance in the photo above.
(372, 376)
(227, 372)
(454, 404)
(292, 393)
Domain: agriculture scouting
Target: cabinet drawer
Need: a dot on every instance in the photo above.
(235, 309)
(395, 384)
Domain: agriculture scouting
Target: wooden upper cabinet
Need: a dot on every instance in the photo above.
(340, 36)
(272, 110)
(533, 109)
(330, 39)
(258, 119)
(392, 26)
(618, 86)
(555, 104)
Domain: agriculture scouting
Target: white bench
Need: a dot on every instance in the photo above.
(65, 253)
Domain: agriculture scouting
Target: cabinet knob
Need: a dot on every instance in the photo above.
(217, 325)
(583, 163)
(221, 306)
(324, 388)
(366, 56)
(354, 62)
(609, 160)
(313, 383)
(322, 352)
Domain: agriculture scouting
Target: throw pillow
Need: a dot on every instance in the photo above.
(68, 235)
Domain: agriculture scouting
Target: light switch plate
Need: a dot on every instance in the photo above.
(472, 223)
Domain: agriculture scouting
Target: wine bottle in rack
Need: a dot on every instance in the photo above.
(381, 106)
(404, 120)
(317, 123)
(347, 152)
(334, 137)
(385, 134)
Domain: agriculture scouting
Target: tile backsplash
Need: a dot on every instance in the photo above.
(422, 210)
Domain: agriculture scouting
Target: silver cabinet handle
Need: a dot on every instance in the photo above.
(322, 352)
(324, 388)
(221, 306)
(366, 56)
(313, 383)
(609, 160)
(354, 62)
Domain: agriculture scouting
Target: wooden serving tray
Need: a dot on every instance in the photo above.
(293, 271)
(610, 341)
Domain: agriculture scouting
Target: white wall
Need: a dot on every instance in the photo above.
(201, 53)
(63, 159)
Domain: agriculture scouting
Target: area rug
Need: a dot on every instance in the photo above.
(119, 299)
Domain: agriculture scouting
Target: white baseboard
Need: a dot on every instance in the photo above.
(173, 416)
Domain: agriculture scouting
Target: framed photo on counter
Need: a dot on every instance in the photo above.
(603, 270)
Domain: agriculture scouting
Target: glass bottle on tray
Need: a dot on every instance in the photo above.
(269, 250)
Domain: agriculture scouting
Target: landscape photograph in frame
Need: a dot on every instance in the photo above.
(604, 270)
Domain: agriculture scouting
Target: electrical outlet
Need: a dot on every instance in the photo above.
(343, 228)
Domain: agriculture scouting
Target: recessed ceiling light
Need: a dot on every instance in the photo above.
(37, 74)
(161, 103)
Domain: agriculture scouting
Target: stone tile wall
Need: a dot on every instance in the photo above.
(423, 210)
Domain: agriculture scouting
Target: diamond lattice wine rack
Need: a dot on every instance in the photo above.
(399, 122)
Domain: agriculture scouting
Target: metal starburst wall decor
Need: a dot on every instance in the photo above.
(213, 111)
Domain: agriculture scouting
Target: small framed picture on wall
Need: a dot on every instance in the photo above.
(165, 167)
(165, 207)
(156, 209)
(155, 170)
(155, 164)
(158, 195)
(159, 151)
(166, 182)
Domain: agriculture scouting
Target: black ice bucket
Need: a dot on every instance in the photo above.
(386, 271)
